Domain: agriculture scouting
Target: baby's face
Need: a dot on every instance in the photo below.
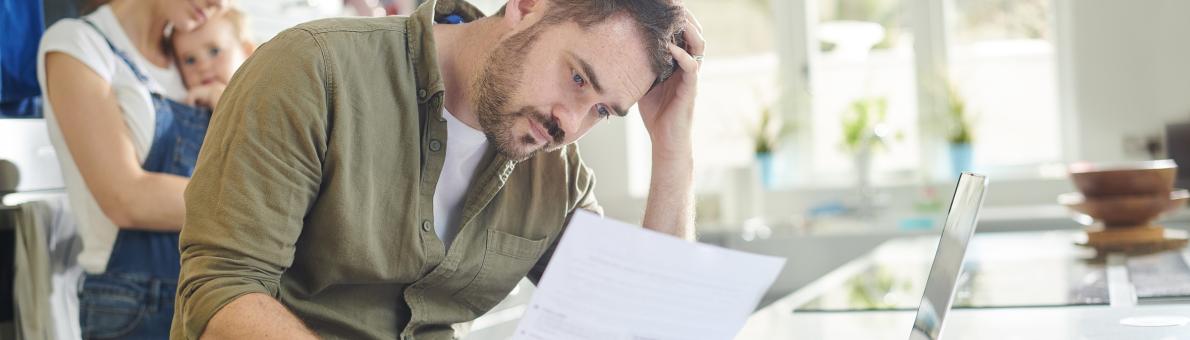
(210, 53)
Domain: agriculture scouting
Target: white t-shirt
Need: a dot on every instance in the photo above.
(465, 147)
(78, 40)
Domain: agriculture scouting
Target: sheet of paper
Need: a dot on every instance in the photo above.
(609, 280)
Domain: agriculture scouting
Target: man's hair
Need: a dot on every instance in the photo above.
(658, 20)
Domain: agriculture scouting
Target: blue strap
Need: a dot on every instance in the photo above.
(453, 19)
(139, 75)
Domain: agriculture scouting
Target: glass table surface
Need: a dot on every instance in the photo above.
(1001, 270)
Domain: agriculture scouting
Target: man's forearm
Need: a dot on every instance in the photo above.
(255, 316)
(670, 206)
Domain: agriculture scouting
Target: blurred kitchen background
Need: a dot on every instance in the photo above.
(825, 127)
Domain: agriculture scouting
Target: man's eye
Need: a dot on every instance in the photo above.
(188, 61)
(578, 79)
(214, 51)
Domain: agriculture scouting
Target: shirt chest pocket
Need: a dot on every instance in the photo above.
(506, 259)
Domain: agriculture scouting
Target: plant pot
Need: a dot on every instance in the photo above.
(960, 158)
(743, 196)
(765, 164)
(863, 184)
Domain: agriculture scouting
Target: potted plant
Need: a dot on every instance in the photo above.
(861, 121)
(864, 130)
(766, 135)
(959, 136)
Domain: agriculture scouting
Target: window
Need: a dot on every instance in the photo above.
(1002, 61)
(864, 54)
(996, 55)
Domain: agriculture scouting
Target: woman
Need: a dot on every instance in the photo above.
(126, 151)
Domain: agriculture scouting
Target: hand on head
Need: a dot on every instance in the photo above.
(668, 109)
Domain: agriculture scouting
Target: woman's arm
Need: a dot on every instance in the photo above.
(90, 119)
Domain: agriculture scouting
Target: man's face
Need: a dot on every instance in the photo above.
(547, 85)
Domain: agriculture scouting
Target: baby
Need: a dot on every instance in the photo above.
(210, 54)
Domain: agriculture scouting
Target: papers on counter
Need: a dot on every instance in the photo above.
(609, 280)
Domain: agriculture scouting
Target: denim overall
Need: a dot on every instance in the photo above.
(134, 297)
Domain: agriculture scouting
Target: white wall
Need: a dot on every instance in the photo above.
(605, 150)
(1131, 72)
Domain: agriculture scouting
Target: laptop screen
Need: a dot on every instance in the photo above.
(948, 260)
(1177, 145)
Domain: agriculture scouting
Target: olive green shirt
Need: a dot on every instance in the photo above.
(316, 183)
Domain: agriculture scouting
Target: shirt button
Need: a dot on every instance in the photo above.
(426, 225)
(435, 145)
(421, 93)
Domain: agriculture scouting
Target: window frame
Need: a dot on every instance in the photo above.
(932, 20)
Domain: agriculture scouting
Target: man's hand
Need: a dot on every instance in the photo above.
(668, 114)
(206, 95)
(668, 109)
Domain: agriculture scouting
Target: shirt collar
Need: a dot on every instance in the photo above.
(421, 40)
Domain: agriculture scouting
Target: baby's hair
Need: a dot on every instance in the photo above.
(239, 22)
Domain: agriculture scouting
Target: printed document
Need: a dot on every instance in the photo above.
(609, 280)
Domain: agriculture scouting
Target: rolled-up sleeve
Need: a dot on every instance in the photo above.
(258, 173)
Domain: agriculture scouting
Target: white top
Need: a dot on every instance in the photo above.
(464, 149)
(77, 39)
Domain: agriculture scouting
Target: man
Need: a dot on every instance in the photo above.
(389, 177)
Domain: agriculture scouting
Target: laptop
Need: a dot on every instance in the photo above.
(1177, 147)
(948, 260)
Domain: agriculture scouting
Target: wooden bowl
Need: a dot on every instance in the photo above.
(1121, 236)
(1096, 180)
(1132, 241)
(1125, 211)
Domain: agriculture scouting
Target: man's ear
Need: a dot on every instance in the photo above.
(516, 10)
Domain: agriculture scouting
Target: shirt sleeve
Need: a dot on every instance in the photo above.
(75, 38)
(258, 173)
(583, 184)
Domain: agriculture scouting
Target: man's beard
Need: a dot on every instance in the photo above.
(495, 86)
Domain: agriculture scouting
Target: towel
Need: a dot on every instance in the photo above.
(47, 274)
